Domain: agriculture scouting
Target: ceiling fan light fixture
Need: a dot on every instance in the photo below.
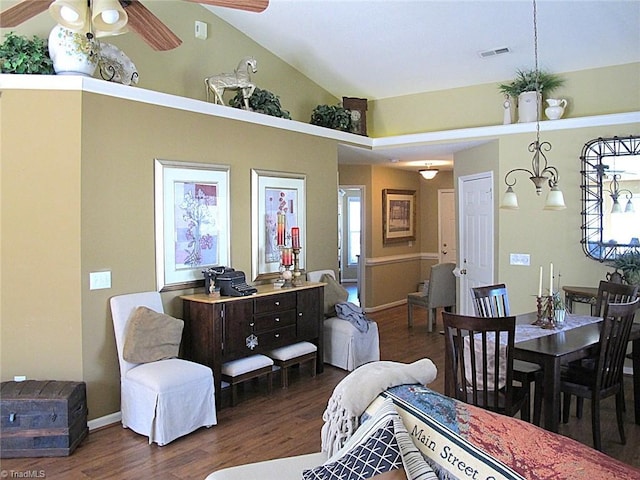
(71, 14)
(429, 174)
(108, 16)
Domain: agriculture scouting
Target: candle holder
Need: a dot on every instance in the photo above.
(297, 274)
(545, 317)
(286, 261)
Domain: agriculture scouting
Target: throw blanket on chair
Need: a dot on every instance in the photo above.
(357, 390)
(353, 314)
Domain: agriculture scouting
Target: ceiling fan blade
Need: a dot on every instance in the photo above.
(248, 5)
(150, 28)
(23, 11)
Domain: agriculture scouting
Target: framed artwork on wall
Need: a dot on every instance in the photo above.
(398, 216)
(191, 220)
(274, 196)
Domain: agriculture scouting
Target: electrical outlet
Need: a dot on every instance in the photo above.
(99, 280)
(519, 259)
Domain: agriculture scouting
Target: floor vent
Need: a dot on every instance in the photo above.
(494, 52)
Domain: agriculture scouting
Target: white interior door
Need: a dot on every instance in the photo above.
(476, 245)
(447, 225)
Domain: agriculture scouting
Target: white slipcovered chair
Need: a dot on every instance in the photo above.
(344, 345)
(165, 399)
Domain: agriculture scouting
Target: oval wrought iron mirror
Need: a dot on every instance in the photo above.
(610, 197)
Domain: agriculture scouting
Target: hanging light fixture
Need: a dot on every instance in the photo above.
(429, 173)
(615, 191)
(101, 17)
(541, 172)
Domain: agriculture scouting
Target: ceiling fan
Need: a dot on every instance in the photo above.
(141, 20)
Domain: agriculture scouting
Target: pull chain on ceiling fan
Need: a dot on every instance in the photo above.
(138, 18)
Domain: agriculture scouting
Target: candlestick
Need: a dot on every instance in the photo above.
(540, 283)
(295, 237)
(551, 279)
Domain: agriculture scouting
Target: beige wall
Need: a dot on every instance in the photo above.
(80, 199)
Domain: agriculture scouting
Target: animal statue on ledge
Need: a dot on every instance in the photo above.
(240, 79)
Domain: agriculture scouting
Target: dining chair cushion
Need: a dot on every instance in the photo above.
(333, 293)
(152, 336)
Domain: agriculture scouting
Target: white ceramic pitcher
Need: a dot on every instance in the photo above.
(556, 107)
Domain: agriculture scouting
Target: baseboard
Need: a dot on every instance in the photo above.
(105, 421)
(377, 308)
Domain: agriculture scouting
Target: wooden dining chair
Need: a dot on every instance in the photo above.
(472, 373)
(606, 379)
(610, 292)
(493, 301)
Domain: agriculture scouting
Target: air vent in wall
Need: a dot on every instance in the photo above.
(493, 52)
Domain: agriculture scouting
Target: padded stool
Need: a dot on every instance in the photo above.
(295, 354)
(243, 369)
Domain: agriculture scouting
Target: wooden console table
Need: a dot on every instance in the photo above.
(586, 295)
(220, 329)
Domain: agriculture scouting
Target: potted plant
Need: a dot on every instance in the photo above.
(18, 54)
(525, 88)
(261, 101)
(332, 116)
(629, 264)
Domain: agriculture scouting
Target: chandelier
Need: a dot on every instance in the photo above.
(541, 172)
(99, 18)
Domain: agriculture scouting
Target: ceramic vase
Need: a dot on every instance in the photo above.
(72, 53)
(529, 106)
(558, 317)
(556, 107)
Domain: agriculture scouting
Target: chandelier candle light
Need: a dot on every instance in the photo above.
(541, 172)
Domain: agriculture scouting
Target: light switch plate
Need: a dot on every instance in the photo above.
(519, 259)
(201, 30)
(99, 280)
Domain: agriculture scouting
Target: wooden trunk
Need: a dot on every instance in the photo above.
(42, 418)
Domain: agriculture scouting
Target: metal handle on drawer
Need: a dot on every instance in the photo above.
(53, 416)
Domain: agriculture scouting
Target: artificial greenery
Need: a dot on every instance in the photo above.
(18, 54)
(261, 101)
(332, 116)
(629, 264)
(531, 81)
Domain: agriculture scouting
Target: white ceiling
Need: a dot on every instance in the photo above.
(386, 48)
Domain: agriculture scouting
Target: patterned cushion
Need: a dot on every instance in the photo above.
(379, 446)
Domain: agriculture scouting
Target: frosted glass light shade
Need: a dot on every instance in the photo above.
(510, 200)
(71, 14)
(555, 200)
(629, 208)
(108, 15)
(429, 174)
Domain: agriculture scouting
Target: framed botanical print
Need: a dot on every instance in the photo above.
(278, 199)
(398, 216)
(192, 221)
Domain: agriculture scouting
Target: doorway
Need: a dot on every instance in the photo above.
(350, 237)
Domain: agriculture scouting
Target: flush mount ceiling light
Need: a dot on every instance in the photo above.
(541, 172)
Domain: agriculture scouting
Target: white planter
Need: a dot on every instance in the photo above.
(72, 53)
(528, 108)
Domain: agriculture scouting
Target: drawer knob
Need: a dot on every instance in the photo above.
(277, 319)
(277, 303)
(12, 417)
(299, 314)
(252, 324)
(277, 335)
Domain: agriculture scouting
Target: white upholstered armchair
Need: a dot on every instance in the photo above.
(344, 345)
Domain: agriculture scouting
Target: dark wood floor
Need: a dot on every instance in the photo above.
(287, 422)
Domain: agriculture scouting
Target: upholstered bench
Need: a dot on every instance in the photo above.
(296, 354)
(243, 369)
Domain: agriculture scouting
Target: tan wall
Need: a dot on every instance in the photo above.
(86, 187)
(589, 92)
(181, 71)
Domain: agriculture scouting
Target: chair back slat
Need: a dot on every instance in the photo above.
(479, 361)
(614, 336)
(609, 292)
(491, 301)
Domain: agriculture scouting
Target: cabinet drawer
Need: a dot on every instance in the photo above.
(277, 338)
(271, 321)
(275, 303)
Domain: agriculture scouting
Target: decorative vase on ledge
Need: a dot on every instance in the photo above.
(528, 107)
(72, 53)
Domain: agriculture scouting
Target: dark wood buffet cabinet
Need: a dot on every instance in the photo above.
(220, 329)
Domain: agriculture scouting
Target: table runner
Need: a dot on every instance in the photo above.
(523, 332)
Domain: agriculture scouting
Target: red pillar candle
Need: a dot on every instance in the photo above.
(295, 237)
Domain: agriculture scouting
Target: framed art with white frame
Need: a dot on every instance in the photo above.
(192, 221)
(274, 193)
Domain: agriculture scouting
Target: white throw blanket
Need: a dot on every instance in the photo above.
(357, 390)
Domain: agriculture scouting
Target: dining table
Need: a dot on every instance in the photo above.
(556, 348)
